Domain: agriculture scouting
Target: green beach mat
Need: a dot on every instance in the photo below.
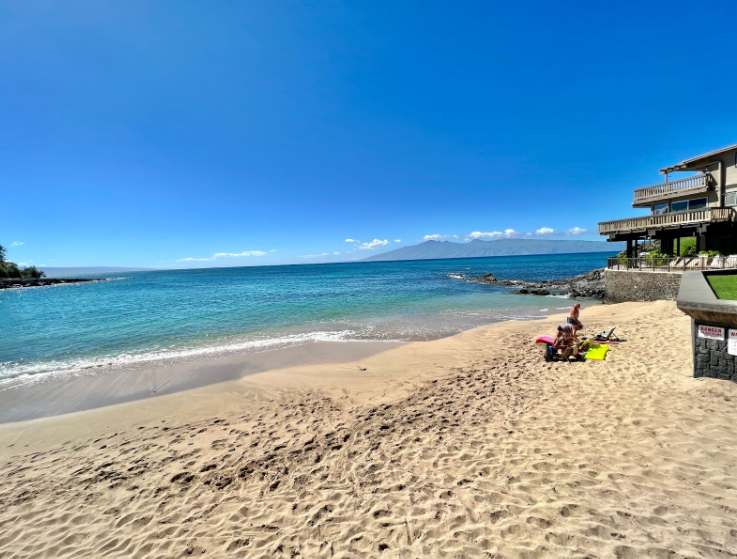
(597, 352)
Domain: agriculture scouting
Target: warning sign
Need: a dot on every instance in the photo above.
(732, 342)
(711, 332)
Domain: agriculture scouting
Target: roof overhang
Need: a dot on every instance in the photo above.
(695, 163)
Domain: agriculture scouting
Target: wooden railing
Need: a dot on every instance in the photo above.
(706, 215)
(662, 191)
(672, 264)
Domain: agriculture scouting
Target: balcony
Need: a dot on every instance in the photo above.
(675, 219)
(692, 185)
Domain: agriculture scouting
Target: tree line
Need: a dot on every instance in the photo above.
(10, 270)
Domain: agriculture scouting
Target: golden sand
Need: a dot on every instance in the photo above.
(471, 446)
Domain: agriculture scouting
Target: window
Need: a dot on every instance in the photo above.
(693, 204)
(730, 199)
(660, 209)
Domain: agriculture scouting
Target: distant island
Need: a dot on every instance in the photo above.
(431, 250)
(51, 271)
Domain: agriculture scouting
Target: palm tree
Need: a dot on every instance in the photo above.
(2, 254)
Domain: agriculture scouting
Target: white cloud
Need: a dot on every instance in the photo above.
(576, 231)
(485, 235)
(545, 231)
(236, 254)
(313, 255)
(397, 240)
(510, 233)
(17, 243)
(373, 244)
(336, 253)
(219, 255)
(352, 241)
(435, 237)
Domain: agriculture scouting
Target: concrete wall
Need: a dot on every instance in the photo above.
(711, 359)
(623, 286)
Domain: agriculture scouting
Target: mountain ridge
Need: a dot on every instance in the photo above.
(432, 250)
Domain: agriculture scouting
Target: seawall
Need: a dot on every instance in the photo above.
(622, 286)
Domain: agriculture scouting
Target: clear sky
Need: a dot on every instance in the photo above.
(138, 133)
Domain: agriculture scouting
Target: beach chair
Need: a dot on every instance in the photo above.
(607, 336)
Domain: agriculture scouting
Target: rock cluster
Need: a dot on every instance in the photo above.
(588, 285)
(16, 283)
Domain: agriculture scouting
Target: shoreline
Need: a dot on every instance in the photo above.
(34, 396)
(440, 326)
(175, 382)
(88, 391)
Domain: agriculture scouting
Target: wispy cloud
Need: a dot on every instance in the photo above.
(485, 235)
(352, 241)
(397, 240)
(436, 237)
(219, 255)
(237, 254)
(577, 231)
(336, 253)
(322, 254)
(373, 244)
(17, 243)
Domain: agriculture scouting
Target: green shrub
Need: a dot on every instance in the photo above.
(32, 272)
(688, 246)
(11, 269)
(710, 253)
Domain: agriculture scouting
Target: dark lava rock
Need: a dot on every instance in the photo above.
(589, 285)
(41, 282)
(486, 278)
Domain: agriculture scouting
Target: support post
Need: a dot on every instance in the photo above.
(629, 248)
(701, 242)
(678, 246)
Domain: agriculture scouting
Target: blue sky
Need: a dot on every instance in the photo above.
(145, 133)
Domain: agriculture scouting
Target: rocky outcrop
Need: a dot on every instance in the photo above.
(486, 278)
(588, 285)
(15, 283)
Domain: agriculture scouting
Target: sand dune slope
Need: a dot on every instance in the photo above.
(505, 456)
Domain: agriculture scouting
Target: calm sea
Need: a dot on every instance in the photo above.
(144, 317)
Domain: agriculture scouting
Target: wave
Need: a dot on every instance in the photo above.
(14, 374)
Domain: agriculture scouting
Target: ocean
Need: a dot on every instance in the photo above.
(142, 318)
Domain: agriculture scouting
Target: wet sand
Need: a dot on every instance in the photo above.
(470, 446)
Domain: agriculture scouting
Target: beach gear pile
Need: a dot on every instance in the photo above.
(562, 348)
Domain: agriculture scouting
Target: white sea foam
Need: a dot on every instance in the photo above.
(15, 374)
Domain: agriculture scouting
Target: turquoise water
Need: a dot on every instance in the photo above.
(145, 317)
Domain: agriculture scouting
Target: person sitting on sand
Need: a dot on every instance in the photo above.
(573, 316)
(566, 336)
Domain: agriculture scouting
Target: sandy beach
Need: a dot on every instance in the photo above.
(470, 446)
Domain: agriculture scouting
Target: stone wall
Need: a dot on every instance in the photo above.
(711, 358)
(629, 285)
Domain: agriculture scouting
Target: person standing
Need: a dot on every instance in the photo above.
(573, 316)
